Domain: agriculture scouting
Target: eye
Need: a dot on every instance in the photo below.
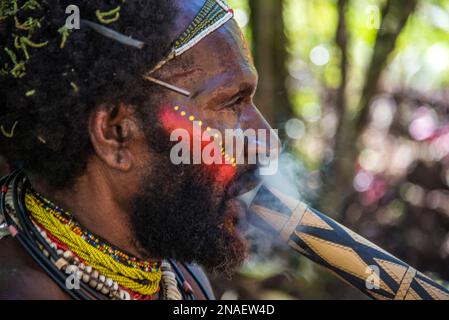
(234, 105)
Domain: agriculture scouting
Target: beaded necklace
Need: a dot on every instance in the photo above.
(62, 229)
(95, 241)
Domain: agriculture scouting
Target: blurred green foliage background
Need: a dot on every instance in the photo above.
(358, 90)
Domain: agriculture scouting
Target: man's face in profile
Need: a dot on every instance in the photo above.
(188, 212)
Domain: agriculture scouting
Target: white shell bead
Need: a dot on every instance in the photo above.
(95, 274)
(67, 254)
(104, 290)
(71, 269)
(86, 278)
(109, 282)
(79, 274)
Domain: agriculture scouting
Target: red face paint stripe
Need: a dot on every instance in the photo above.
(173, 118)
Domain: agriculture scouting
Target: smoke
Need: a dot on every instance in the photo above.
(290, 179)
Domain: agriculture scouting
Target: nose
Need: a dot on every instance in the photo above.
(265, 146)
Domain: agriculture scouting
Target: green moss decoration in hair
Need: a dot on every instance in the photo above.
(75, 88)
(18, 67)
(9, 134)
(108, 16)
(64, 32)
(8, 8)
(22, 43)
(31, 5)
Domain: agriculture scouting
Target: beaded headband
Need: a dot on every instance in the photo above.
(212, 16)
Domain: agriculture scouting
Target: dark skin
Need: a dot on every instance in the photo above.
(220, 74)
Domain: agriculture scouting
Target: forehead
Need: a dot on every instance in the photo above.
(223, 57)
(220, 57)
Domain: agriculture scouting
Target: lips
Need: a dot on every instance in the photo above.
(243, 183)
(236, 209)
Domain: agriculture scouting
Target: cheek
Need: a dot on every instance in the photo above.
(172, 119)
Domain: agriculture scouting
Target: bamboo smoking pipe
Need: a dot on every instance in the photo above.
(351, 257)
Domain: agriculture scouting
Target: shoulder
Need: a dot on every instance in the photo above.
(21, 278)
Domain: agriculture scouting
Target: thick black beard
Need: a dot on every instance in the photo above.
(181, 214)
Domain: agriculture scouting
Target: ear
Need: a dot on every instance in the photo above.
(112, 133)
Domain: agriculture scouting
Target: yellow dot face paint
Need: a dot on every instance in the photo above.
(228, 159)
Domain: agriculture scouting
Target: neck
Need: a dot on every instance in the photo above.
(98, 205)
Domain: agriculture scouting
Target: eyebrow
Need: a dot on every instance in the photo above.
(243, 89)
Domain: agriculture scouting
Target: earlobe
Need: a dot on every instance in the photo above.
(111, 136)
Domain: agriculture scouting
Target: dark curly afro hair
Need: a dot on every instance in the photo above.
(44, 108)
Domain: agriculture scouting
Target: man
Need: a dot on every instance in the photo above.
(88, 114)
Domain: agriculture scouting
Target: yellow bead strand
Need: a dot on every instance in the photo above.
(137, 280)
